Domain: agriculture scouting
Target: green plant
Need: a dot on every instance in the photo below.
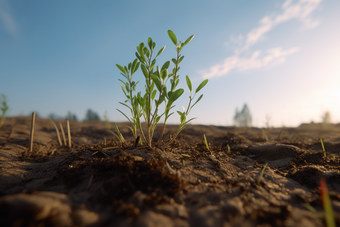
(327, 205)
(266, 137)
(119, 135)
(155, 84)
(323, 148)
(4, 109)
(206, 142)
(228, 148)
(261, 175)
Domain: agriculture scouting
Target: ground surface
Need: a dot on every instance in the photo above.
(98, 183)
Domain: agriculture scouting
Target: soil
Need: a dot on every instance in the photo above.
(102, 182)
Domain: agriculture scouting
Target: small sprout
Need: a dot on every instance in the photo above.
(119, 136)
(327, 204)
(309, 207)
(186, 155)
(206, 142)
(104, 141)
(183, 162)
(4, 109)
(266, 137)
(228, 148)
(323, 147)
(261, 175)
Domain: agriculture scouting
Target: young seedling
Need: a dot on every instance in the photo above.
(309, 207)
(261, 175)
(327, 204)
(228, 148)
(186, 155)
(265, 136)
(119, 135)
(206, 142)
(156, 79)
(323, 147)
(4, 109)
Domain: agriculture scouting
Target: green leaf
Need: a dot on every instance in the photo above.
(140, 100)
(180, 59)
(157, 119)
(136, 67)
(160, 51)
(172, 37)
(197, 101)
(125, 116)
(140, 58)
(175, 95)
(140, 48)
(153, 63)
(183, 117)
(123, 89)
(126, 106)
(201, 85)
(189, 83)
(162, 97)
(145, 71)
(152, 86)
(121, 68)
(188, 40)
(150, 43)
(174, 61)
(153, 94)
(153, 45)
(156, 81)
(164, 74)
(165, 65)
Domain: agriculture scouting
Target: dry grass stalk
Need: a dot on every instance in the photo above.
(62, 131)
(32, 131)
(69, 134)
(58, 135)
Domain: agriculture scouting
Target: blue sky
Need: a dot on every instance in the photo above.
(281, 57)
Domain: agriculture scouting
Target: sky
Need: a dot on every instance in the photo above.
(280, 57)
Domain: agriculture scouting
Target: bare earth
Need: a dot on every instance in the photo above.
(109, 184)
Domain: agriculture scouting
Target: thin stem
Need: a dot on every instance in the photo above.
(172, 89)
(160, 138)
(186, 113)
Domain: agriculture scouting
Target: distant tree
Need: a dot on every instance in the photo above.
(326, 118)
(71, 117)
(243, 118)
(55, 117)
(91, 116)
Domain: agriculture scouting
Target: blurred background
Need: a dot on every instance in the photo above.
(270, 62)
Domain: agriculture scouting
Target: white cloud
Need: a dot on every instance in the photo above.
(273, 56)
(299, 10)
(291, 9)
(7, 19)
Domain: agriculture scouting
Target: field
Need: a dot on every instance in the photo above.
(102, 182)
